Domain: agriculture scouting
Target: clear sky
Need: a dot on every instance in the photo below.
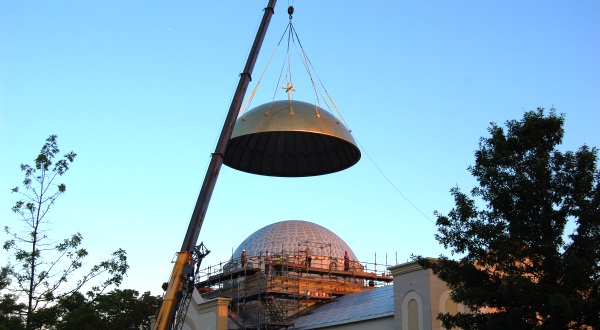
(139, 90)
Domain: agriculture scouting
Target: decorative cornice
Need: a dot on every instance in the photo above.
(212, 304)
(409, 267)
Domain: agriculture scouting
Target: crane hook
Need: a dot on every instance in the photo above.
(291, 11)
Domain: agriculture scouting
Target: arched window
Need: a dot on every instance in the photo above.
(412, 311)
(451, 307)
(447, 305)
(413, 315)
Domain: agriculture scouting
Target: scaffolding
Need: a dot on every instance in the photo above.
(269, 291)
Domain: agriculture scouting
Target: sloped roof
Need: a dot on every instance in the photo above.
(355, 307)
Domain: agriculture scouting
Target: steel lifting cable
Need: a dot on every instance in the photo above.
(248, 100)
(253, 92)
(337, 111)
(293, 36)
(292, 39)
(308, 65)
(286, 63)
(304, 59)
(250, 97)
(288, 76)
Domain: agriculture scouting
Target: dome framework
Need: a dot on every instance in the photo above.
(292, 237)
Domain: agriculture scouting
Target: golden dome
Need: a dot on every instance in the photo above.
(290, 139)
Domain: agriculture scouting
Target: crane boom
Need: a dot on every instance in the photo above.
(170, 303)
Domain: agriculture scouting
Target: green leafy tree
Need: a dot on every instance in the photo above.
(518, 267)
(117, 309)
(125, 309)
(10, 310)
(42, 266)
(74, 312)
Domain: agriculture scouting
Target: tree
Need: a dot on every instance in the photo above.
(10, 309)
(125, 309)
(518, 268)
(118, 309)
(43, 266)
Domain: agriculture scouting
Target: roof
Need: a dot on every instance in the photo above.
(355, 307)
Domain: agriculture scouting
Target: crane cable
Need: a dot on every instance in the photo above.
(308, 65)
(290, 30)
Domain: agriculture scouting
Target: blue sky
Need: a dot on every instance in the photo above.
(139, 90)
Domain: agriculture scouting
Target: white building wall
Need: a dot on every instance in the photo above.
(408, 286)
(411, 281)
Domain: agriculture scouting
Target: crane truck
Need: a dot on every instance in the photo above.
(181, 282)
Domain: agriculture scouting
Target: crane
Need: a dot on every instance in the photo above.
(178, 290)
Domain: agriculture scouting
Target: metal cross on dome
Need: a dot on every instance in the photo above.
(289, 89)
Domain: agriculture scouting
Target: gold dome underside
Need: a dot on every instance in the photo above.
(269, 140)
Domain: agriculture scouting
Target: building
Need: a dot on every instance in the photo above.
(292, 275)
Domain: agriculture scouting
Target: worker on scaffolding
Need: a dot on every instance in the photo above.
(243, 259)
(308, 256)
(267, 262)
(277, 265)
(346, 261)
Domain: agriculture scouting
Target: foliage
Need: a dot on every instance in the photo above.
(118, 309)
(519, 268)
(10, 309)
(42, 266)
